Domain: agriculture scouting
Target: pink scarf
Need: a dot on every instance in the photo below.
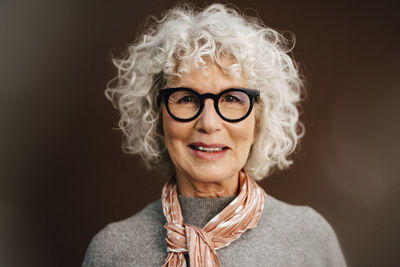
(241, 214)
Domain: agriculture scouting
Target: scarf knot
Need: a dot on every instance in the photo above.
(188, 239)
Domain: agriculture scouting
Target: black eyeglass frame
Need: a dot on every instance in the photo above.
(253, 95)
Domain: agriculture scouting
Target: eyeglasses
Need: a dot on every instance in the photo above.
(185, 104)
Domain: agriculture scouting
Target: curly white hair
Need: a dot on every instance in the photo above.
(185, 38)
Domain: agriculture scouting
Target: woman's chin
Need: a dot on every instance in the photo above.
(211, 175)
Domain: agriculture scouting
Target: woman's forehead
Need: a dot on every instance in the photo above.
(210, 78)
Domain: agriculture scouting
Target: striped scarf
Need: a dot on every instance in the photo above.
(241, 214)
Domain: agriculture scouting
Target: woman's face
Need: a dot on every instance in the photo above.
(183, 139)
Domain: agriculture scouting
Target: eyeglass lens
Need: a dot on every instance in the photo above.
(232, 105)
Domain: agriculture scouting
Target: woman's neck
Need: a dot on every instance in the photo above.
(199, 189)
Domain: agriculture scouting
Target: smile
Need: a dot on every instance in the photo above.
(209, 149)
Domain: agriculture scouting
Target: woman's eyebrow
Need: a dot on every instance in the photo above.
(205, 91)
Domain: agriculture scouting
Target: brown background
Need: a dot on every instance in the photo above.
(63, 176)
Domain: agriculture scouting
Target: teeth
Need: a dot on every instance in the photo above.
(208, 149)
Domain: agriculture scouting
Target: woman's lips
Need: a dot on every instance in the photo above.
(208, 151)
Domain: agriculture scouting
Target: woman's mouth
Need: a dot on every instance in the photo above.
(208, 151)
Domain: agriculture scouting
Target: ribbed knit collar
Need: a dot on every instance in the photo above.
(198, 211)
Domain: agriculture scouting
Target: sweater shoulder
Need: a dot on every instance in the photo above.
(305, 230)
(295, 220)
(127, 241)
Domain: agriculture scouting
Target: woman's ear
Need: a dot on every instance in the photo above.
(258, 114)
(256, 126)
(160, 128)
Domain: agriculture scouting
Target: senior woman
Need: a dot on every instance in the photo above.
(209, 98)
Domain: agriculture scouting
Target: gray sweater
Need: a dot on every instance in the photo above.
(286, 235)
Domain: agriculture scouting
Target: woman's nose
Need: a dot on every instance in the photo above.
(209, 121)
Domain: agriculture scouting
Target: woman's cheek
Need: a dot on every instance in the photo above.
(176, 134)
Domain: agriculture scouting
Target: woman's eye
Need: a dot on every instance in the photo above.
(186, 99)
(231, 98)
